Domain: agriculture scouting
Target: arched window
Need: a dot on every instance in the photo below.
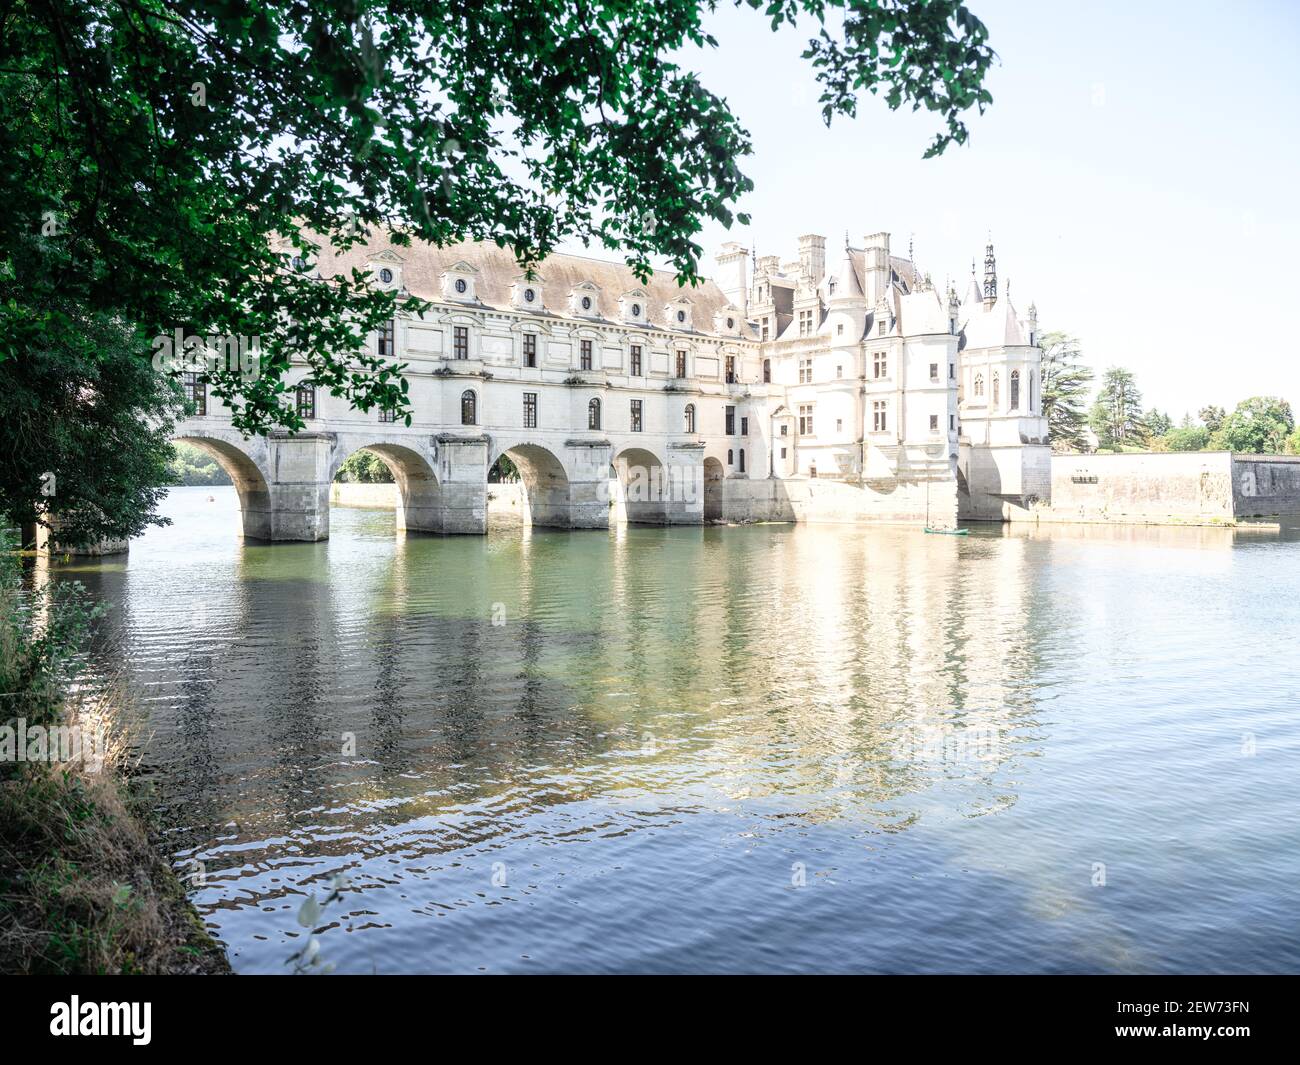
(767, 371)
(979, 386)
(305, 400)
(468, 407)
(1015, 389)
(593, 413)
(740, 466)
(731, 458)
(997, 391)
(690, 417)
(1030, 384)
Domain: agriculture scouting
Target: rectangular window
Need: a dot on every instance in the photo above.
(530, 349)
(952, 422)
(934, 371)
(196, 392)
(731, 421)
(934, 423)
(744, 426)
(839, 425)
(636, 360)
(805, 371)
(879, 423)
(806, 420)
(763, 332)
(584, 356)
(530, 410)
(783, 452)
(386, 345)
(460, 341)
(805, 323)
(636, 416)
(839, 371)
(305, 396)
(387, 416)
(681, 364)
(952, 371)
(880, 365)
(731, 369)
(785, 430)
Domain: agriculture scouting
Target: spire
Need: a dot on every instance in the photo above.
(990, 275)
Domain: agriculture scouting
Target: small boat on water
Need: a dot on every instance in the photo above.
(947, 532)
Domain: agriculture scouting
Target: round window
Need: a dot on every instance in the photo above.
(297, 262)
(460, 284)
(636, 310)
(681, 316)
(586, 303)
(731, 323)
(529, 295)
(386, 275)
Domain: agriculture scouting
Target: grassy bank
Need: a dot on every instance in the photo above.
(83, 885)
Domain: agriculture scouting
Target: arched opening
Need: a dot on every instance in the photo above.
(713, 474)
(545, 498)
(1015, 389)
(417, 498)
(643, 486)
(468, 407)
(593, 413)
(689, 420)
(997, 392)
(250, 484)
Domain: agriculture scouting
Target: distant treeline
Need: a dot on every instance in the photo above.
(191, 466)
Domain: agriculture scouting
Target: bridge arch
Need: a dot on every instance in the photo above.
(713, 489)
(246, 463)
(644, 485)
(547, 488)
(419, 494)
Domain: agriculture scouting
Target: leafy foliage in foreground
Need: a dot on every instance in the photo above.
(176, 163)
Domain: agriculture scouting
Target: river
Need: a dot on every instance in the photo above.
(775, 748)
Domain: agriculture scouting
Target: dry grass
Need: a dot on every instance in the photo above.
(82, 886)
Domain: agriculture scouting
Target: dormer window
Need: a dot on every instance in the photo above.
(530, 295)
(586, 303)
(830, 287)
(681, 316)
(385, 275)
(636, 310)
(458, 281)
(731, 323)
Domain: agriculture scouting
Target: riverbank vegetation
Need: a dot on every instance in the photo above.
(82, 886)
(1118, 422)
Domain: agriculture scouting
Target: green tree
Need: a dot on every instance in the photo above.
(364, 467)
(192, 466)
(1157, 424)
(1293, 442)
(1116, 415)
(1212, 417)
(1259, 425)
(1186, 438)
(1065, 383)
(84, 427)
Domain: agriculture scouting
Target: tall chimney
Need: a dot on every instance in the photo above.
(733, 267)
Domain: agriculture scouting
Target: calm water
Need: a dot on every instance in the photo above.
(762, 748)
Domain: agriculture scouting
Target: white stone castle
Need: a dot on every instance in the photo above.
(823, 388)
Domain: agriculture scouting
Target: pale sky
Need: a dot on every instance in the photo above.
(1138, 172)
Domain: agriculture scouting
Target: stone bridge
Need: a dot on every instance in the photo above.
(571, 480)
